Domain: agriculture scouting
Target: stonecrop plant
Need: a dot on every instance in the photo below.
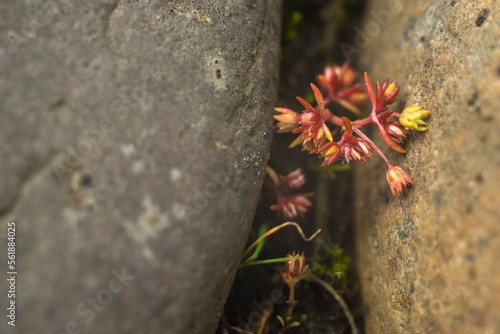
(354, 145)
(313, 124)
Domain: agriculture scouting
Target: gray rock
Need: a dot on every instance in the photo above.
(134, 137)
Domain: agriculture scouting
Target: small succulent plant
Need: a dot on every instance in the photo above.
(354, 145)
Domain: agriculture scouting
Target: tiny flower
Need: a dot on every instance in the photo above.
(289, 206)
(293, 206)
(295, 269)
(384, 95)
(391, 131)
(410, 118)
(355, 149)
(287, 120)
(312, 121)
(390, 91)
(295, 179)
(339, 77)
(397, 178)
(338, 81)
(331, 153)
(395, 131)
(352, 98)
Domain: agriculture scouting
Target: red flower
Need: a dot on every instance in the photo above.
(338, 82)
(312, 121)
(349, 147)
(355, 149)
(390, 91)
(290, 205)
(295, 179)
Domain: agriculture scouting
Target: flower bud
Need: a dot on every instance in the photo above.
(288, 120)
(397, 178)
(410, 118)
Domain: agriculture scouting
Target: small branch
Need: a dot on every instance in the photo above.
(339, 299)
(362, 122)
(265, 317)
(291, 303)
(234, 328)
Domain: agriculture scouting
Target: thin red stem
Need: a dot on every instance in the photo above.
(362, 122)
(362, 135)
(335, 120)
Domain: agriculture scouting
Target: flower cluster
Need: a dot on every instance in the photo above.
(353, 145)
(289, 205)
(338, 82)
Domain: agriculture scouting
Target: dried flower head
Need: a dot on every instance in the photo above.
(295, 270)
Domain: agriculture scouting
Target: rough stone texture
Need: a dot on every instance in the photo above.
(428, 260)
(134, 136)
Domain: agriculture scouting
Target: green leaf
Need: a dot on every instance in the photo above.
(258, 248)
(281, 320)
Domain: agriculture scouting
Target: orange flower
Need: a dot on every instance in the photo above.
(397, 178)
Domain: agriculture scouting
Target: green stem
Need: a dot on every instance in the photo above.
(277, 260)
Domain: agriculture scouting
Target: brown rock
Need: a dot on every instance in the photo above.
(428, 260)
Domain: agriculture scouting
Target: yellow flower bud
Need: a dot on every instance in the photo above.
(410, 118)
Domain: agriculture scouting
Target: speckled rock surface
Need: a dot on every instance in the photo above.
(428, 260)
(134, 136)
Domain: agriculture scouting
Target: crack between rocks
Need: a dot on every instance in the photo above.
(25, 187)
(258, 56)
(107, 17)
